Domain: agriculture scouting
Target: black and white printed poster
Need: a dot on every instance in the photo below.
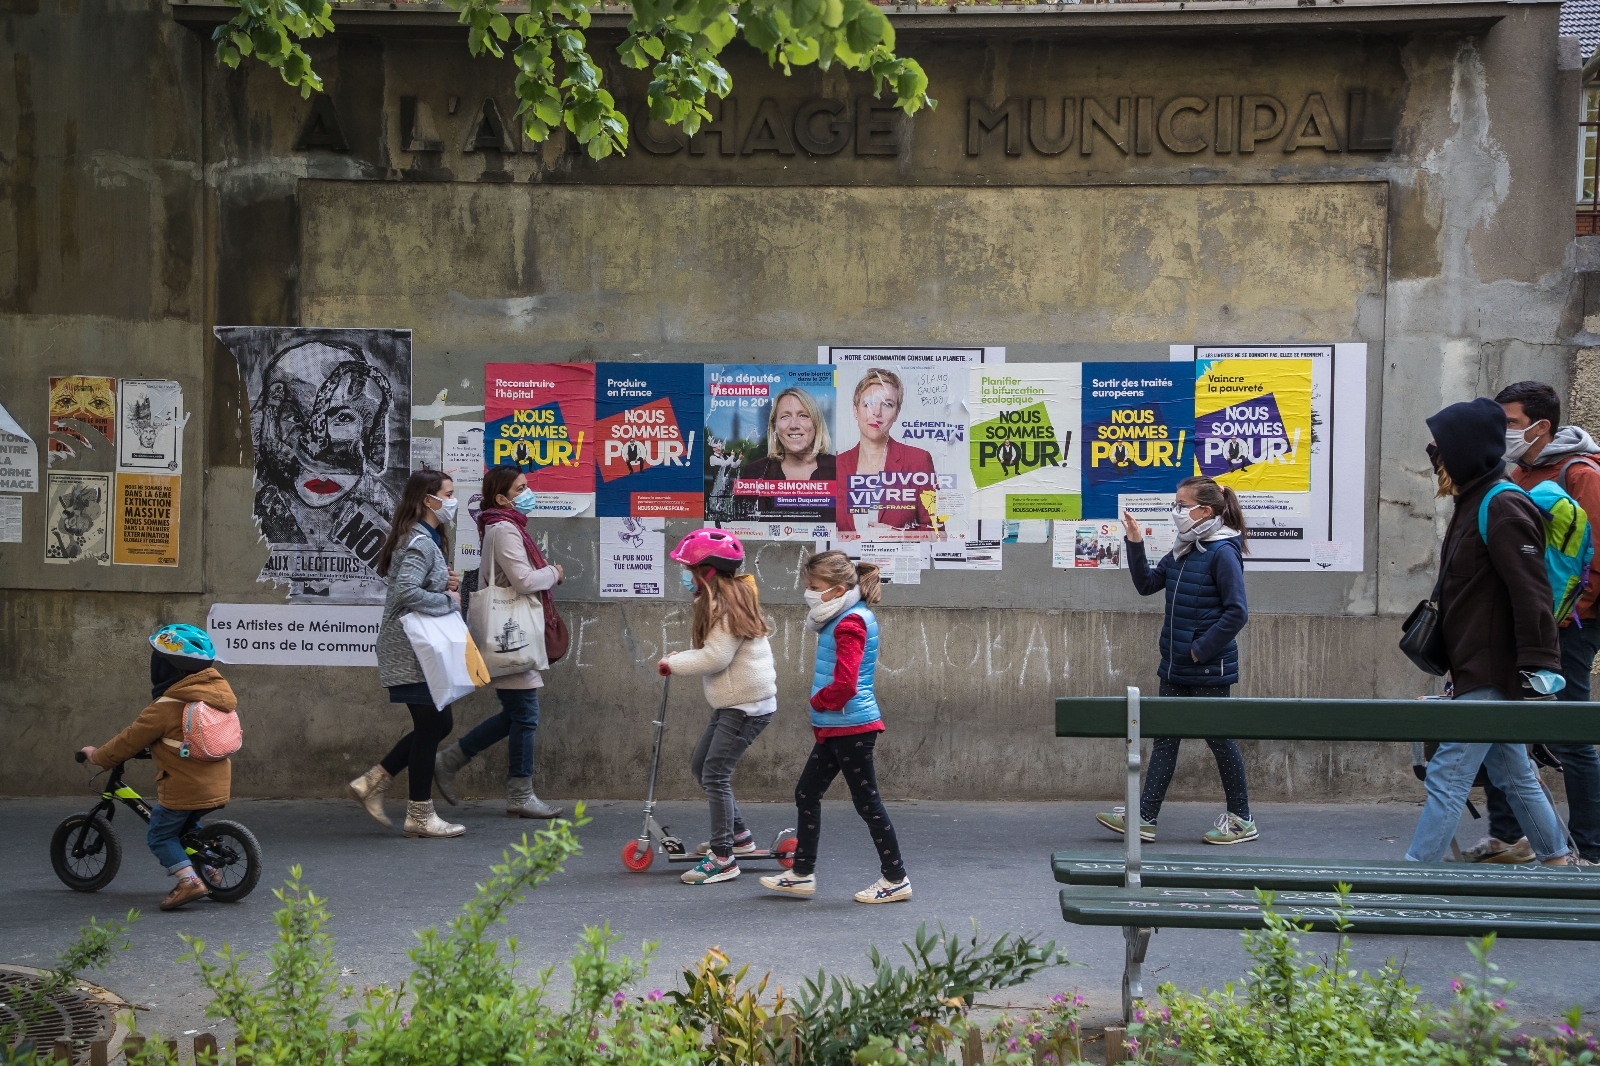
(330, 419)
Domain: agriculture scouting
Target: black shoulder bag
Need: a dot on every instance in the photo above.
(1422, 637)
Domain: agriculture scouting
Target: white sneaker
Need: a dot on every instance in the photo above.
(885, 891)
(791, 884)
(746, 848)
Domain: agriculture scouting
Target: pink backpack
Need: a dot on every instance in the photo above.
(209, 735)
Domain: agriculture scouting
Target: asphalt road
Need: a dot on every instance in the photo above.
(986, 863)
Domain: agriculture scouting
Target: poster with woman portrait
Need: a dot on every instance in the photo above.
(902, 438)
(330, 422)
(771, 471)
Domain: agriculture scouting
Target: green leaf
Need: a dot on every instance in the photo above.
(501, 26)
(833, 13)
(805, 12)
(866, 29)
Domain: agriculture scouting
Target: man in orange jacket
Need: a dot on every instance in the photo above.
(1539, 449)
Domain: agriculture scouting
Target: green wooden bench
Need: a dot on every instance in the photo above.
(1429, 899)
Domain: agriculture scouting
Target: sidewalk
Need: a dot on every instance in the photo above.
(982, 862)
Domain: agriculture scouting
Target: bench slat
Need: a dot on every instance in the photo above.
(1449, 878)
(1289, 719)
(1394, 914)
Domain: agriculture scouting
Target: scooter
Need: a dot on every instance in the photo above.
(638, 854)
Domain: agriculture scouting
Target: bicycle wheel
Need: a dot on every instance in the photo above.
(85, 852)
(229, 858)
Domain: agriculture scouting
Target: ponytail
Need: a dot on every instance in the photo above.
(1223, 502)
(836, 568)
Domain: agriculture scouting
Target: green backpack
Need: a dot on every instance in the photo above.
(1568, 543)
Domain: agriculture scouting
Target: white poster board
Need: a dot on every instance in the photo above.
(294, 634)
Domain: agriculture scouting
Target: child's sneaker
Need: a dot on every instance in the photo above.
(884, 890)
(187, 890)
(792, 884)
(710, 870)
(744, 845)
(1113, 821)
(1231, 829)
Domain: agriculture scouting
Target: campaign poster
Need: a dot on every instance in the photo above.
(150, 433)
(648, 439)
(770, 471)
(540, 416)
(80, 401)
(902, 439)
(330, 419)
(1022, 459)
(78, 518)
(1252, 420)
(1138, 431)
(145, 532)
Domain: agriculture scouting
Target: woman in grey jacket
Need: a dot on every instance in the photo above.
(420, 581)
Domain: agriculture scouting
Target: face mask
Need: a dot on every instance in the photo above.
(1517, 443)
(524, 502)
(813, 599)
(1433, 458)
(1181, 520)
(447, 509)
(688, 580)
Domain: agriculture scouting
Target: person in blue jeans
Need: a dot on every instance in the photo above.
(1495, 614)
(516, 563)
(1539, 448)
(1203, 577)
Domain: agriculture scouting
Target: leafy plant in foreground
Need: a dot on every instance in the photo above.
(93, 947)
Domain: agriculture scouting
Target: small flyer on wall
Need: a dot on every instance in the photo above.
(633, 555)
(1153, 512)
(1022, 461)
(10, 519)
(83, 401)
(146, 520)
(150, 436)
(1138, 431)
(902, 438)
(463, 450)
(467, 541)
(77, 519)
(294, 634)
(649, 432)
(540, 416)
(1087, 545)
(19, 457)
(770, 468)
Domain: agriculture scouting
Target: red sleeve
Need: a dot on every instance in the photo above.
(849, 642)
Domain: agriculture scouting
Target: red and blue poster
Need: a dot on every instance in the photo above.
(648, 419)
(540, 416)
(1138, 431)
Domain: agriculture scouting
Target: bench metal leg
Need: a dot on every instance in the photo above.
(1136, 941)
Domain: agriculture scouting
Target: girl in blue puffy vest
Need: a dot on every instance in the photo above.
(1203, 577)
(846, 723)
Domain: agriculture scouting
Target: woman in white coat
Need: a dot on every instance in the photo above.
(518, 565)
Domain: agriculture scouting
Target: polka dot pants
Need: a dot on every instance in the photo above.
(852, 757)
(1164, 760)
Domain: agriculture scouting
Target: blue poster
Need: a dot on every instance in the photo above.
(1138, 431)
(648, 435)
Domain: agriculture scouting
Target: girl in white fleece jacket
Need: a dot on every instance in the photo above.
(732, 656)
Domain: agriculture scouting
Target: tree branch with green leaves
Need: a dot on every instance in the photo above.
(559, 84)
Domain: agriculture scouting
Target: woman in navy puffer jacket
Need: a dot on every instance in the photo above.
(1203, 577)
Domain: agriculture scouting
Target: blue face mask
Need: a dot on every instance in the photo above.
(688, 580)
(524, 502)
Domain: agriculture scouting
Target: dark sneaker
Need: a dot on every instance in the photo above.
(1499, 852)
(710, 870)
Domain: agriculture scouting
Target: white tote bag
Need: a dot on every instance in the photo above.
(441, 642)
(508, 627)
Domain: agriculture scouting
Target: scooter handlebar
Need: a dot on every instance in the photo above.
(80, 756)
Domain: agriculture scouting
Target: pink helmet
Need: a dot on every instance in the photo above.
(722, 550)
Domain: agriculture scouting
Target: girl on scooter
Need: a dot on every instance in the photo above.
(846, 721)
(731, 654)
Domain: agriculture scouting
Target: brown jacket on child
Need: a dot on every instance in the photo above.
(181, 784)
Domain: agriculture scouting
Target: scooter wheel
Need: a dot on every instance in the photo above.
(784, 851)
(638, 858)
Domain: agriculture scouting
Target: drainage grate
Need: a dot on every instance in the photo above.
(77, 1016)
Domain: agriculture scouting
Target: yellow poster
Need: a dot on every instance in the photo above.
(1252, 423)
(146, 520)
(90, 400)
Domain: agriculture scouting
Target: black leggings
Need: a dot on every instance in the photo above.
(851, 756)
(416, 749)
(1164, 760)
